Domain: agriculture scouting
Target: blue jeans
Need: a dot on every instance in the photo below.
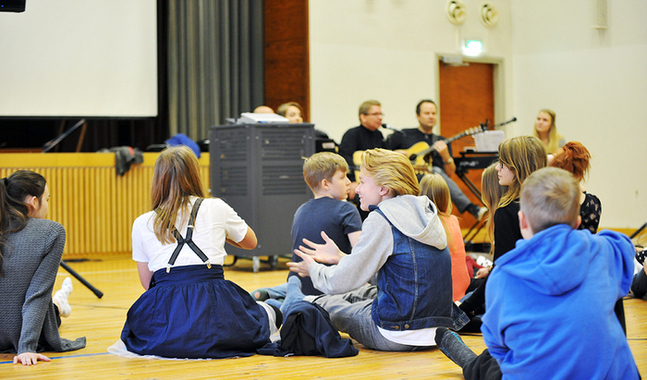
(351, 313)
(458, 197)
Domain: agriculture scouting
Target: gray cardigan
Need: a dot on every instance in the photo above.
(28, 320)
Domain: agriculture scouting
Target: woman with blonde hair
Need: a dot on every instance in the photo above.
(292, 111)
(188, 309)
(402, 242)
(546, 131)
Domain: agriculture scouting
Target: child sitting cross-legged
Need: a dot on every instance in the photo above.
(325, 174)
(543, 320)
(402, 241)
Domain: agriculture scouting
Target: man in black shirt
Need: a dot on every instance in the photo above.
(441, 159)
(365, 136)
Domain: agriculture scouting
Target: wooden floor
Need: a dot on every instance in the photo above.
(101, 321)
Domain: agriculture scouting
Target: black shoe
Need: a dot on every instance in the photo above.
(640, 256)
(453, 347)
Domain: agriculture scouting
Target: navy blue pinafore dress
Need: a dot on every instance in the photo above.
(193, 312)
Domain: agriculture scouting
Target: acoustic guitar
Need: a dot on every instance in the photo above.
(420, 153)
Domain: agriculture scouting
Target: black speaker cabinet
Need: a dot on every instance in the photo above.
(258, 170)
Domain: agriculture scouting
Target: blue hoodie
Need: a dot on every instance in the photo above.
(549, 306)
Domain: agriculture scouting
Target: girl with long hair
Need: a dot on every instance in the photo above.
(188, 309)
(30, 254)
(433, 186)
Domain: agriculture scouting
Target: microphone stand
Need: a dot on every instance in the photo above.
(386, 126)
(501, 124)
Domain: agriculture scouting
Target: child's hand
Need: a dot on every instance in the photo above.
(29, 358)
(327, 253)
(483, 272)
(301, 268)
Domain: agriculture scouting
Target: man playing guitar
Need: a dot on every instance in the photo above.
(441, 160)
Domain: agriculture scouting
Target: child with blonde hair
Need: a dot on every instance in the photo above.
(491, 194)
(435, 188)
(404, 243)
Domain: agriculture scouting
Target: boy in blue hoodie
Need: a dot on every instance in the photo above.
(550, 300)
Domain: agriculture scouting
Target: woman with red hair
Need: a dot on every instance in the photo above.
(574, 157)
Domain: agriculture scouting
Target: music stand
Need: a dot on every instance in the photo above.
(51, 144)
(473, 160)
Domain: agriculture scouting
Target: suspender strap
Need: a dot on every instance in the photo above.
(188, 240)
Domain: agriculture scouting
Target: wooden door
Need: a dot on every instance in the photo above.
(466, 100)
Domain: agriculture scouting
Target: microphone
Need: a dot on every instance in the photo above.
(386, 126)
(506, 122)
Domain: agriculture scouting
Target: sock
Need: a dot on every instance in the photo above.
(61, 298)
(453, 347)
(260, 294)
(294, 294)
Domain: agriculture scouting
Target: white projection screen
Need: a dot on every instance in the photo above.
(69, 58)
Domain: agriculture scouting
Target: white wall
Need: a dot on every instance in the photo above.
(551, 58)
(596, 82)
(386, 50)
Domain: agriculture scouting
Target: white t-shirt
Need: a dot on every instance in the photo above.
(216, 221)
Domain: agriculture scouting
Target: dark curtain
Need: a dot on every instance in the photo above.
(215, 62)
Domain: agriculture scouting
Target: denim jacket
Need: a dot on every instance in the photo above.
(415, 287)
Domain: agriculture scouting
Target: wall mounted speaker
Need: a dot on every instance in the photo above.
(456, 12)
(489, 15)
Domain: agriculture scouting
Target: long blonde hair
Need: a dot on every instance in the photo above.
(175, 179)
(491, 194)
(522, 155)
(553, 136)
(434, 186)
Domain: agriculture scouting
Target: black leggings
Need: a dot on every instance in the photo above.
(639, 284)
